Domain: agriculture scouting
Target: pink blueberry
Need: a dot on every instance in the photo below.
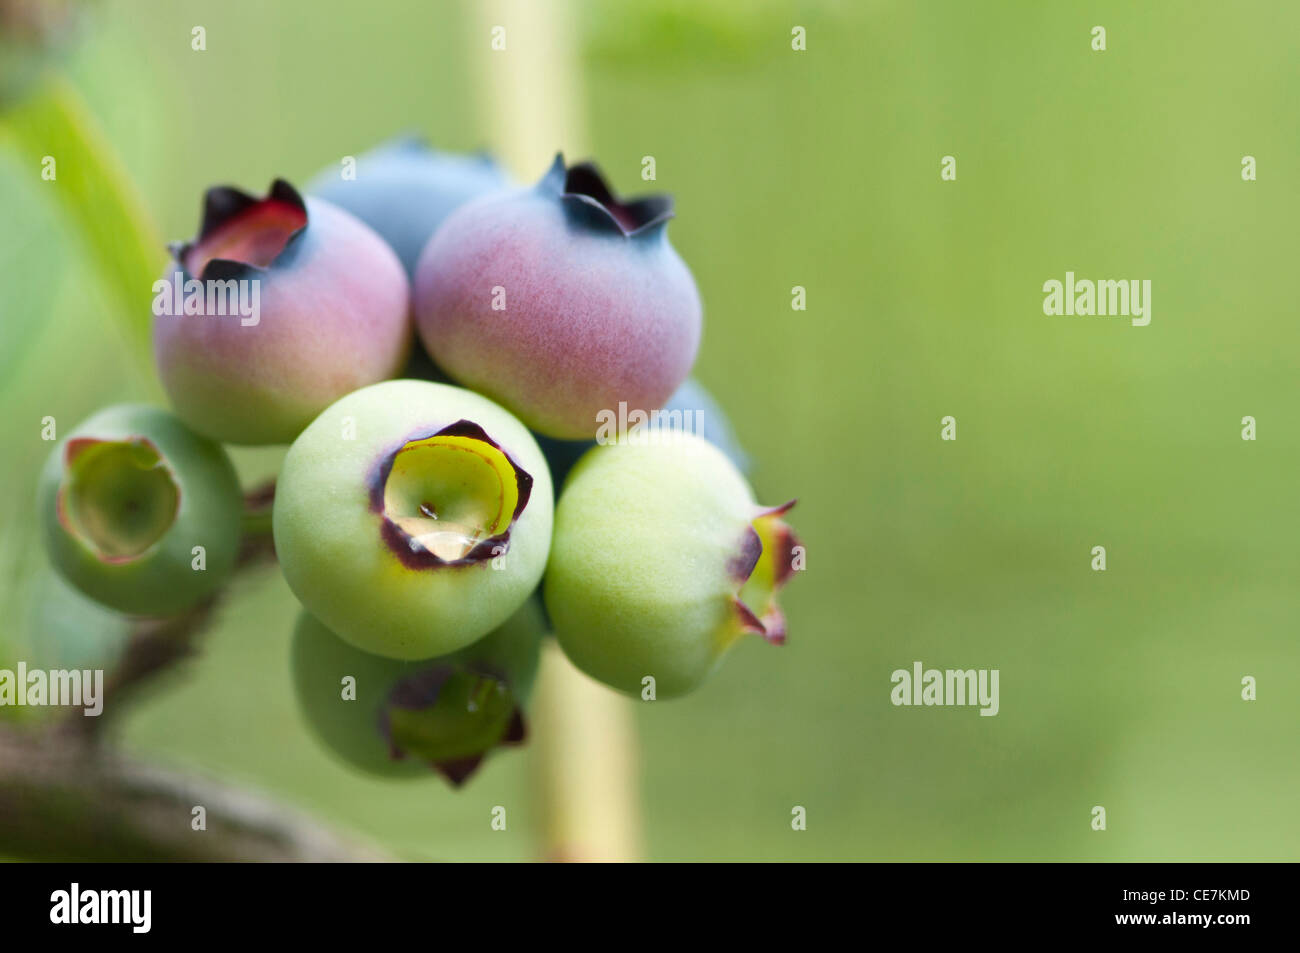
(278, 308)
(560, 301)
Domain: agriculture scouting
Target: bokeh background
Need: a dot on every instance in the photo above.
(817, 168)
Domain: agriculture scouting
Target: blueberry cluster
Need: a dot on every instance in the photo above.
(492, 435)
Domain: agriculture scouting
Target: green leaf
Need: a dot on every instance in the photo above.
(94, 190)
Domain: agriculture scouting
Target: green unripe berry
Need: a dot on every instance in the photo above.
(399, 719)
(661, 560)
(413, 518)
(141, 513)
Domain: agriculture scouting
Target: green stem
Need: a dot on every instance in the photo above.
(256, 519)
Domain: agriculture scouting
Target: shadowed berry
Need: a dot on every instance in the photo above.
(127, 497)
(708, 420)
(562, 456)
(404, 718)
(412, 518)
(276, 310)
(559, 301)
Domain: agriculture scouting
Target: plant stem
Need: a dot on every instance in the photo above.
(586, 749)
(62, 798)
(257, 544)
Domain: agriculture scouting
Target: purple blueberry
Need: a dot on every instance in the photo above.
(404, 189)
(560, 301)
(278, 308)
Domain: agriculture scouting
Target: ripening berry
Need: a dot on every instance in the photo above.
(276, 310)
(560, 301)
(661, 561)
(403, 189)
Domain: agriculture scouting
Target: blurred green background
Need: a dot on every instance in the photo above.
(821, 168)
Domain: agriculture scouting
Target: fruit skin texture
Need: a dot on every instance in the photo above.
(123, 464)
(656, 567)
(404, 190)
(340, 516)
(599, 308)
(334, 316)
(361, 731)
